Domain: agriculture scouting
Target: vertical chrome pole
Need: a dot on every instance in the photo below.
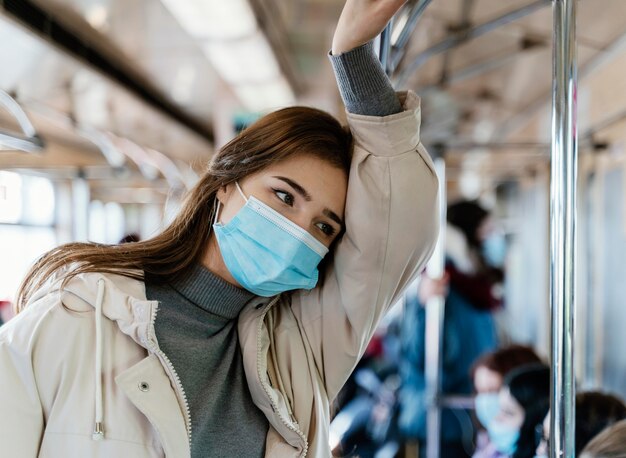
(435, 309)
(563, 228)
(385, 46)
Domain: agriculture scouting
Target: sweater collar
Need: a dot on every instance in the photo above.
(211, 293)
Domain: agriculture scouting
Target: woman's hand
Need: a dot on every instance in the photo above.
(361, 21)
(432, 287)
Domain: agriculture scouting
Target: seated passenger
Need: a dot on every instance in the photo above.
(474, 258)
(594, 412)
(488, 373)
(610, 443)
(523, 402)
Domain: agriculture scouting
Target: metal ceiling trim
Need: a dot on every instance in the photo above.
(14, 142)
(47, 26)
(525, 114)
(30, 142)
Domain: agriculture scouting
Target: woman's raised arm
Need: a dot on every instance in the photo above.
(363, 84)
(391, 211)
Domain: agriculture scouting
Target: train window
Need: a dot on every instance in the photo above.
(26, 200)
(10, 197)
(37, 201)
(27, 208)
(106, 222)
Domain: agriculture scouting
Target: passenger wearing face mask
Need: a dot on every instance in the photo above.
(594, 412)
(488, 374)
(523, 403)
(231, 331)
(472, 288)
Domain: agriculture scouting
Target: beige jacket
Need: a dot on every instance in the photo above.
(87, 355)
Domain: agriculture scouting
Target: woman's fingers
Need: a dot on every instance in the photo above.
(361, 21)
(431, 287)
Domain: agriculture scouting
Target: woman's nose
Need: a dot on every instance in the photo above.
(304, 221)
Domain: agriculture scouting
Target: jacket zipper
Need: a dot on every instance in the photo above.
(180, 391)
(289, 424)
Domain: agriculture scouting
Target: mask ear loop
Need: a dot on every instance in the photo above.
(218, 203)
(240, 191)
(216, 211)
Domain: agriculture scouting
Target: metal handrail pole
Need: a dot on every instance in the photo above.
(563, 229)
(435, 309)
(385, 47)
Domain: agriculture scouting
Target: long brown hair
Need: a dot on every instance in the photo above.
(168, 255)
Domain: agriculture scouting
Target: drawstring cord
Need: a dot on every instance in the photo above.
(98, 432)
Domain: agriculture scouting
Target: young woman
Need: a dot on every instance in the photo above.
(488, 374)
(218, 337)
(524, 401)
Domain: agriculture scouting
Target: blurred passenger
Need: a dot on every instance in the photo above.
(610, 443)
(488, 373)
(247, 348)
(594, 412)
(7, 311)
(474, 259)
(523, 403)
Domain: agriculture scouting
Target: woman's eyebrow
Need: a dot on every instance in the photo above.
(299, 189)
(332, 215)
(303, 192)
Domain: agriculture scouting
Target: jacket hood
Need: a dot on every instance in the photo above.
(120, 298)
(115, 297)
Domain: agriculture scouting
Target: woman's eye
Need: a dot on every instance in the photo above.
(285, 197)
(326, 229)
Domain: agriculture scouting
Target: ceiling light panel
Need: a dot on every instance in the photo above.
(214, 19)
(247, 60)
(265, 96)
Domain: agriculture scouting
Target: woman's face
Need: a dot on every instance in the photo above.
(511, 412)
(486, 380)
(304, 188)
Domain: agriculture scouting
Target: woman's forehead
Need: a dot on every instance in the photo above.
(324, 182)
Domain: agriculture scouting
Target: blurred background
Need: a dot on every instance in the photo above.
(110, 109)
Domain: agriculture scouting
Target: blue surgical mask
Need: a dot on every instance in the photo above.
(487, 407)
(267, 253)
(494, 249)
(504, 438)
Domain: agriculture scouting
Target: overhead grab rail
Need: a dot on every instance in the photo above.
(465, 35)
(29, 141)
(406, 24)
(151, 163)
(114, 157)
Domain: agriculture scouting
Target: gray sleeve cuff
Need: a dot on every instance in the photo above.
(363, 85)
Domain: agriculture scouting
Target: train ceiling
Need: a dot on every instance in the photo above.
(146, 71)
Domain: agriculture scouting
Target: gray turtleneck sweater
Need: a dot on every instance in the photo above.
(196, 328)
(196, 324)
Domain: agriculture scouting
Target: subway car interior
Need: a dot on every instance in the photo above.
(503, 337)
